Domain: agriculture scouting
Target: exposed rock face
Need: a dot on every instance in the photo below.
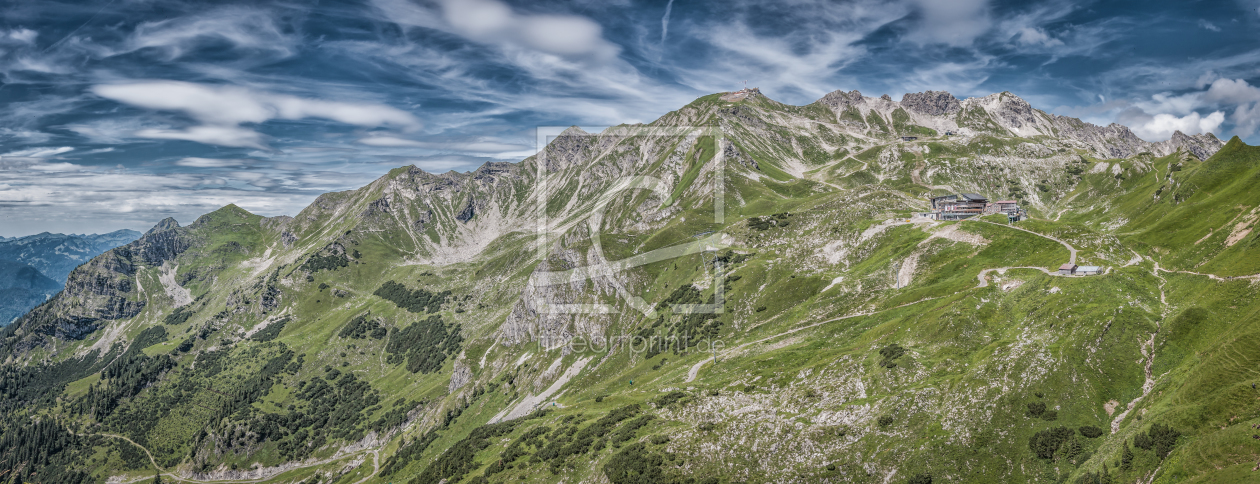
(98, 291)
(101, 290)
(468, 211)
(931, 103)
(1005, 114)
(838, 100)
(161, 243)
(424, 218)
(460, 376)
(167, 223)
(569, 149)
(1199, 145)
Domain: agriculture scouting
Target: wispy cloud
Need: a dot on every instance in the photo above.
(665, 21)
(222, 110)
(950, 22)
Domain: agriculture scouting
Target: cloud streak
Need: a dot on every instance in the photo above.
(223, 109)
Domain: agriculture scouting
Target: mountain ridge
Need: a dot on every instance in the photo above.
(376, 335)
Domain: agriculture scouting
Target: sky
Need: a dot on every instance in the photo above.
(119, 113)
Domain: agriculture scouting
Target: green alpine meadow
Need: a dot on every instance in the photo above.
(856, 290)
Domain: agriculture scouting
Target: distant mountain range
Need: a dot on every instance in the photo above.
(34, 268)
(55, 255)
(22, 287)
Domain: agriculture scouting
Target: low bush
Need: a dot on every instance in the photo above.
(1090, 431)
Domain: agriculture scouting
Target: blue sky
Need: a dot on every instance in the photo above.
(120, 113)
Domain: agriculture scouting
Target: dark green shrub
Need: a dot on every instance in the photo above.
(885, 420)
(271, 331)
(180, 316)
(416, 301)
(424, 344)
(1160, 438)
(669, 398)
(890, 354)
(319, 262)
(361, 327)
(1091, 431)
(1046, 442)
(1036, 409)
(921, 478)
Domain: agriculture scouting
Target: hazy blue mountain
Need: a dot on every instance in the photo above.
(55, 255)
(22, 287)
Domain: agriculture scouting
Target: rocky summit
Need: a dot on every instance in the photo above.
(854, 290)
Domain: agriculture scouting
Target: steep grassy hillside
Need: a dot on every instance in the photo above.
(734, 293)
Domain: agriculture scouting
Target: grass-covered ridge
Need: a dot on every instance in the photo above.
(382, 335)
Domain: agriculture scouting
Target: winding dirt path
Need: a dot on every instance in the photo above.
(172, 475)
(984, 275)
(1065, 244)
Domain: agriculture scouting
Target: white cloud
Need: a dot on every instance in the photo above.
(243, 28)
(950, 22)
(1208, 25)
(195, 162)
(1161, 126)
(23, 35)
(1036, 36)
(796, 66)
(222, 109)
(232, 136)
(1243, 96)
(55, 167)
(39, 152)
(494, 22)
(1231, 91)
(1246, 119)
(477, 146)
(665, 20)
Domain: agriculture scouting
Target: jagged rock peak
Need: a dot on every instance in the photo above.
(932, 103)
(841, 99)
(167, 223)
(574, 131)
(1202, 146)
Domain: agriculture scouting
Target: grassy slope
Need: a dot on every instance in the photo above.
(802, 399)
